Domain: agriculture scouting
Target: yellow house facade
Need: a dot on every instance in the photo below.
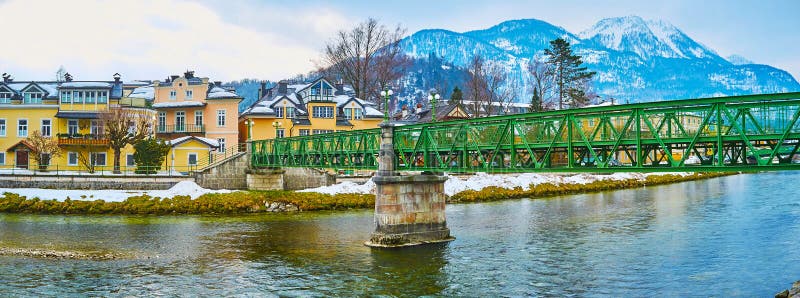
(67, 112)
(287, 110)
(191, 106)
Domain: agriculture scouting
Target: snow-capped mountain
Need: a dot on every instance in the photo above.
(738, 60)
(635, 59)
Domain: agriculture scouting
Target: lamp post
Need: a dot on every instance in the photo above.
(276, 125)
(249, 123)
(433, 97)
(386, 93)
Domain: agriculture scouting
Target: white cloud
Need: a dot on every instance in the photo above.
(142, 39)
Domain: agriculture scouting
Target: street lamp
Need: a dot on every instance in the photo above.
(276, 125)
(249, 123)
(386, 93)
(433, 97)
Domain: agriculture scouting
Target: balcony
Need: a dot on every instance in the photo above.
(180, 129)
(82, 140)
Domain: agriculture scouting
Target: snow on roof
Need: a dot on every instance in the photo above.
(603, 104)
(259, 110)
(17, 86)
(137, 83)
(178, 104)
(147, 92)
(85, 85)
(372, 112)
(210, 142)
(50, 88)
(218, 92)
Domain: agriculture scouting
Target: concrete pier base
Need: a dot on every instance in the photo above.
(409, 210)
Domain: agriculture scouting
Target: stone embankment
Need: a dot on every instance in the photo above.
(794, 292)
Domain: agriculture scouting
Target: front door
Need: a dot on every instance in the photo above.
(22, 159)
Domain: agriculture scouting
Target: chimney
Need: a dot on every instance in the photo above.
(7, 78)
(419, 108)
(262, 90)
(282, 86)
(218, 83)
(188, 74)
(67, 77)
(405, 111)
(173, 77)
(117, 77)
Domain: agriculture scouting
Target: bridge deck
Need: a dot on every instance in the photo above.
(738, 133)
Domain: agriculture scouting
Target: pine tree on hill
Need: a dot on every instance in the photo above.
(570, 77)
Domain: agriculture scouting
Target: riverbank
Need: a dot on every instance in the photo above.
(476, 188)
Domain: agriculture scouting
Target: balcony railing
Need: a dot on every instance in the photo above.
(83, 139)
(186, 128)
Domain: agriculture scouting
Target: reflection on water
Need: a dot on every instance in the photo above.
(730, 236)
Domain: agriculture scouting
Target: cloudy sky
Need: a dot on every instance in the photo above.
(228, 40)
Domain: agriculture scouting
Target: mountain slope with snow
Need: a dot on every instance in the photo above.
(635, 59)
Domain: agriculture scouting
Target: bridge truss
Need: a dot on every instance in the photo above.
(739, 133)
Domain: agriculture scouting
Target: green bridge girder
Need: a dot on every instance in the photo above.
(737, 133)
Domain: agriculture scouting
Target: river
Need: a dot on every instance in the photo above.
(729, 236)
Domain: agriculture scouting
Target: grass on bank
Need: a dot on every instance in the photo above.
(258, 201)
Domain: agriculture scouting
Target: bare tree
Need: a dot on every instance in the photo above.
(125, 127)
(367, 56)
(487, 88)
(542, 81)
(60, 73)
(43, 149)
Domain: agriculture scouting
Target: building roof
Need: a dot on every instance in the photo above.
(77, 115)
(179, 104)
(219, 93)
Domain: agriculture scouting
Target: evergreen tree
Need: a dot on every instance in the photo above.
(536, 101)
(149, 155)
(456, 96)
(570, 77)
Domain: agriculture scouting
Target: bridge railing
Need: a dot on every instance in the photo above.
(737, 133)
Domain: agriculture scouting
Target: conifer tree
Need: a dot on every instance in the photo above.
(570, 77)
(456, 96)
(536, 101)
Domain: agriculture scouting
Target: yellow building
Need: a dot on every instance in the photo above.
(190, 106)
(306, 109)
(68, 112)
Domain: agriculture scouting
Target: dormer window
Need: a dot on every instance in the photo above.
(32, 97)
(5, 97)
(354, 113)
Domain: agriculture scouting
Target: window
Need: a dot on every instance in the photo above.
(102, 96)
(98, 158)
(72, 158)
(290, 112)
(188, 94)
(129, 161)
(2, 158)
(33, 97)
(280, 132)
(5, 97)
(97, 128)
(323, 112)
(66, 96)
(180, 121)
(304, 132)
(72, 127)
(173, 94)
(353, 113)
(46, 127)
(321, 131)
(198, 118)
(220, 118)
(192, 159)
(221, 142)
(279, 112)
(22, 128)
(2, 127)
(77, 97)
(45, 159)
(90, 97)
(162, 121)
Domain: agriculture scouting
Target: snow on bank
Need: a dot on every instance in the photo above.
(183, 188)
(479, 181)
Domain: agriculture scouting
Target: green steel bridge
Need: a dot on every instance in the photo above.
(738, 133)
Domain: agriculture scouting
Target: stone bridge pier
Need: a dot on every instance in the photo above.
(409, 210)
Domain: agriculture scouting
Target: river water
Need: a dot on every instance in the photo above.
(730, 236)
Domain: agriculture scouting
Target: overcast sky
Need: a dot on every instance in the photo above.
(234, 39)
